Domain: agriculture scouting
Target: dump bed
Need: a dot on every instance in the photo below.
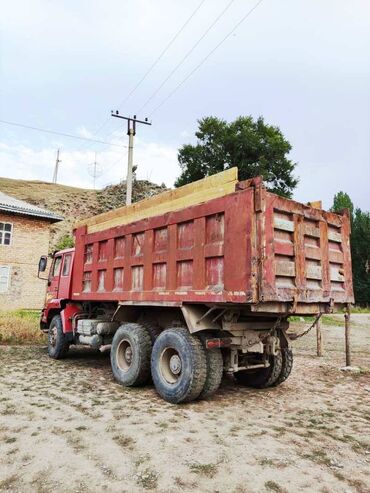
(238, 244)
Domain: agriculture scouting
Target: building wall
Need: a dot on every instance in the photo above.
(30, 240)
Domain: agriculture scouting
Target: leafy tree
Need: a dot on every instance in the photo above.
(65, 241)
(342, 201)
(255, 147)
(360, 247)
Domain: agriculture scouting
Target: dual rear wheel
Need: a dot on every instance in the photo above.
(279, 370)
(181, 369)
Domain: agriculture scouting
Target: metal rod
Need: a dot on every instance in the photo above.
(319, 337)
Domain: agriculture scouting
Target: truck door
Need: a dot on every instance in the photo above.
(54, 276)
(65, 276)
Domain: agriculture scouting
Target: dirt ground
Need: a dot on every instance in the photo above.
(66, 426)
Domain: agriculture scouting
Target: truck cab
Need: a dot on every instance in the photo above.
(58, 285)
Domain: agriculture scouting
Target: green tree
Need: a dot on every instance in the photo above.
(255, 147)
(360, 246)
(65, 242)
(342, 201)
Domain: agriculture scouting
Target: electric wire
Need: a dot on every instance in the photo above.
(154, 64)
(164, 51)
(54, 132)
(205, 58)
(186, 56)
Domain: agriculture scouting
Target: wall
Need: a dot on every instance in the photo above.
(30, 240)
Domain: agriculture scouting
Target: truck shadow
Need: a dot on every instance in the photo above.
(89, 359)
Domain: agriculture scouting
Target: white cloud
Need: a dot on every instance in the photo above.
(157, 163)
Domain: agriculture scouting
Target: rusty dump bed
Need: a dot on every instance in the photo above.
(247, 247)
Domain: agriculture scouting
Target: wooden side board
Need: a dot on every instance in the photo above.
(194, 193)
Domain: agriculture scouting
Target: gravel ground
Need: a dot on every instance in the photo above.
(66, 426)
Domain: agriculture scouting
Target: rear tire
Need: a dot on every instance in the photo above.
(130, 355)
(57, 342)
(178, 365)
(287, 365)
(262, 377)
(153, 329)
(215, 367)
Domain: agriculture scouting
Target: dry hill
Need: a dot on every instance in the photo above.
(74, 203)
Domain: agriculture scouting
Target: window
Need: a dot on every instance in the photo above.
(4, 278)
(56, 266)
(6, 230)
(67, 264)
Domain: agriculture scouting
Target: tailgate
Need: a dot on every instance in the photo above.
(305, 253)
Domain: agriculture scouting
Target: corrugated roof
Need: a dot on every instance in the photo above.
(15, 206)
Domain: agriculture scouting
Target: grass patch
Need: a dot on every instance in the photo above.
(208, 470)
(273, 486)
(21, 327)
(124, 441)
(148, 479)
(7, 483)
(318, 456)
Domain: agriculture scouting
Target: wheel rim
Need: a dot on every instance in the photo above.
(53, 336)
(170, 365)
(124, 355)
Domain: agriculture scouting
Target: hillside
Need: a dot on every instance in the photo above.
(74, 203)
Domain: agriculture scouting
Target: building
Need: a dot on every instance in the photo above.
(24, 237)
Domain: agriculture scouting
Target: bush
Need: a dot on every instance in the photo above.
(21, 327)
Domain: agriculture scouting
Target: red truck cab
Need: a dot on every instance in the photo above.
(59, 285)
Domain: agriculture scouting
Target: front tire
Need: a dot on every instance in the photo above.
(262, 378)
(178, 365)
(130, 355)
(58, 344)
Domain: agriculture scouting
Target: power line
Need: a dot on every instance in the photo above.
(206, 58)
(154, 64)
(164, 51)
(54, 132)
(187, 55)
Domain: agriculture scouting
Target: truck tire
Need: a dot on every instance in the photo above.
(153, 329)
(215, 367)
(179, 366)
(57, 343)
(261, 378)
(130, 355)
(287, 365)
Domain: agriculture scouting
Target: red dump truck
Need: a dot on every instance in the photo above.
(198, 281)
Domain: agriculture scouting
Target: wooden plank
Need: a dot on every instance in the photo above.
(180, 203)
(316, 204)
(229, 176)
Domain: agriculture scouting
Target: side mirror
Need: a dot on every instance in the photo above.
(43, 262)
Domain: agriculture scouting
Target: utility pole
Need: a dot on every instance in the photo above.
(131, 132)
(94, 170)
(55, 175)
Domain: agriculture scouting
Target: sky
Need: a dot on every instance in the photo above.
(304, 65)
